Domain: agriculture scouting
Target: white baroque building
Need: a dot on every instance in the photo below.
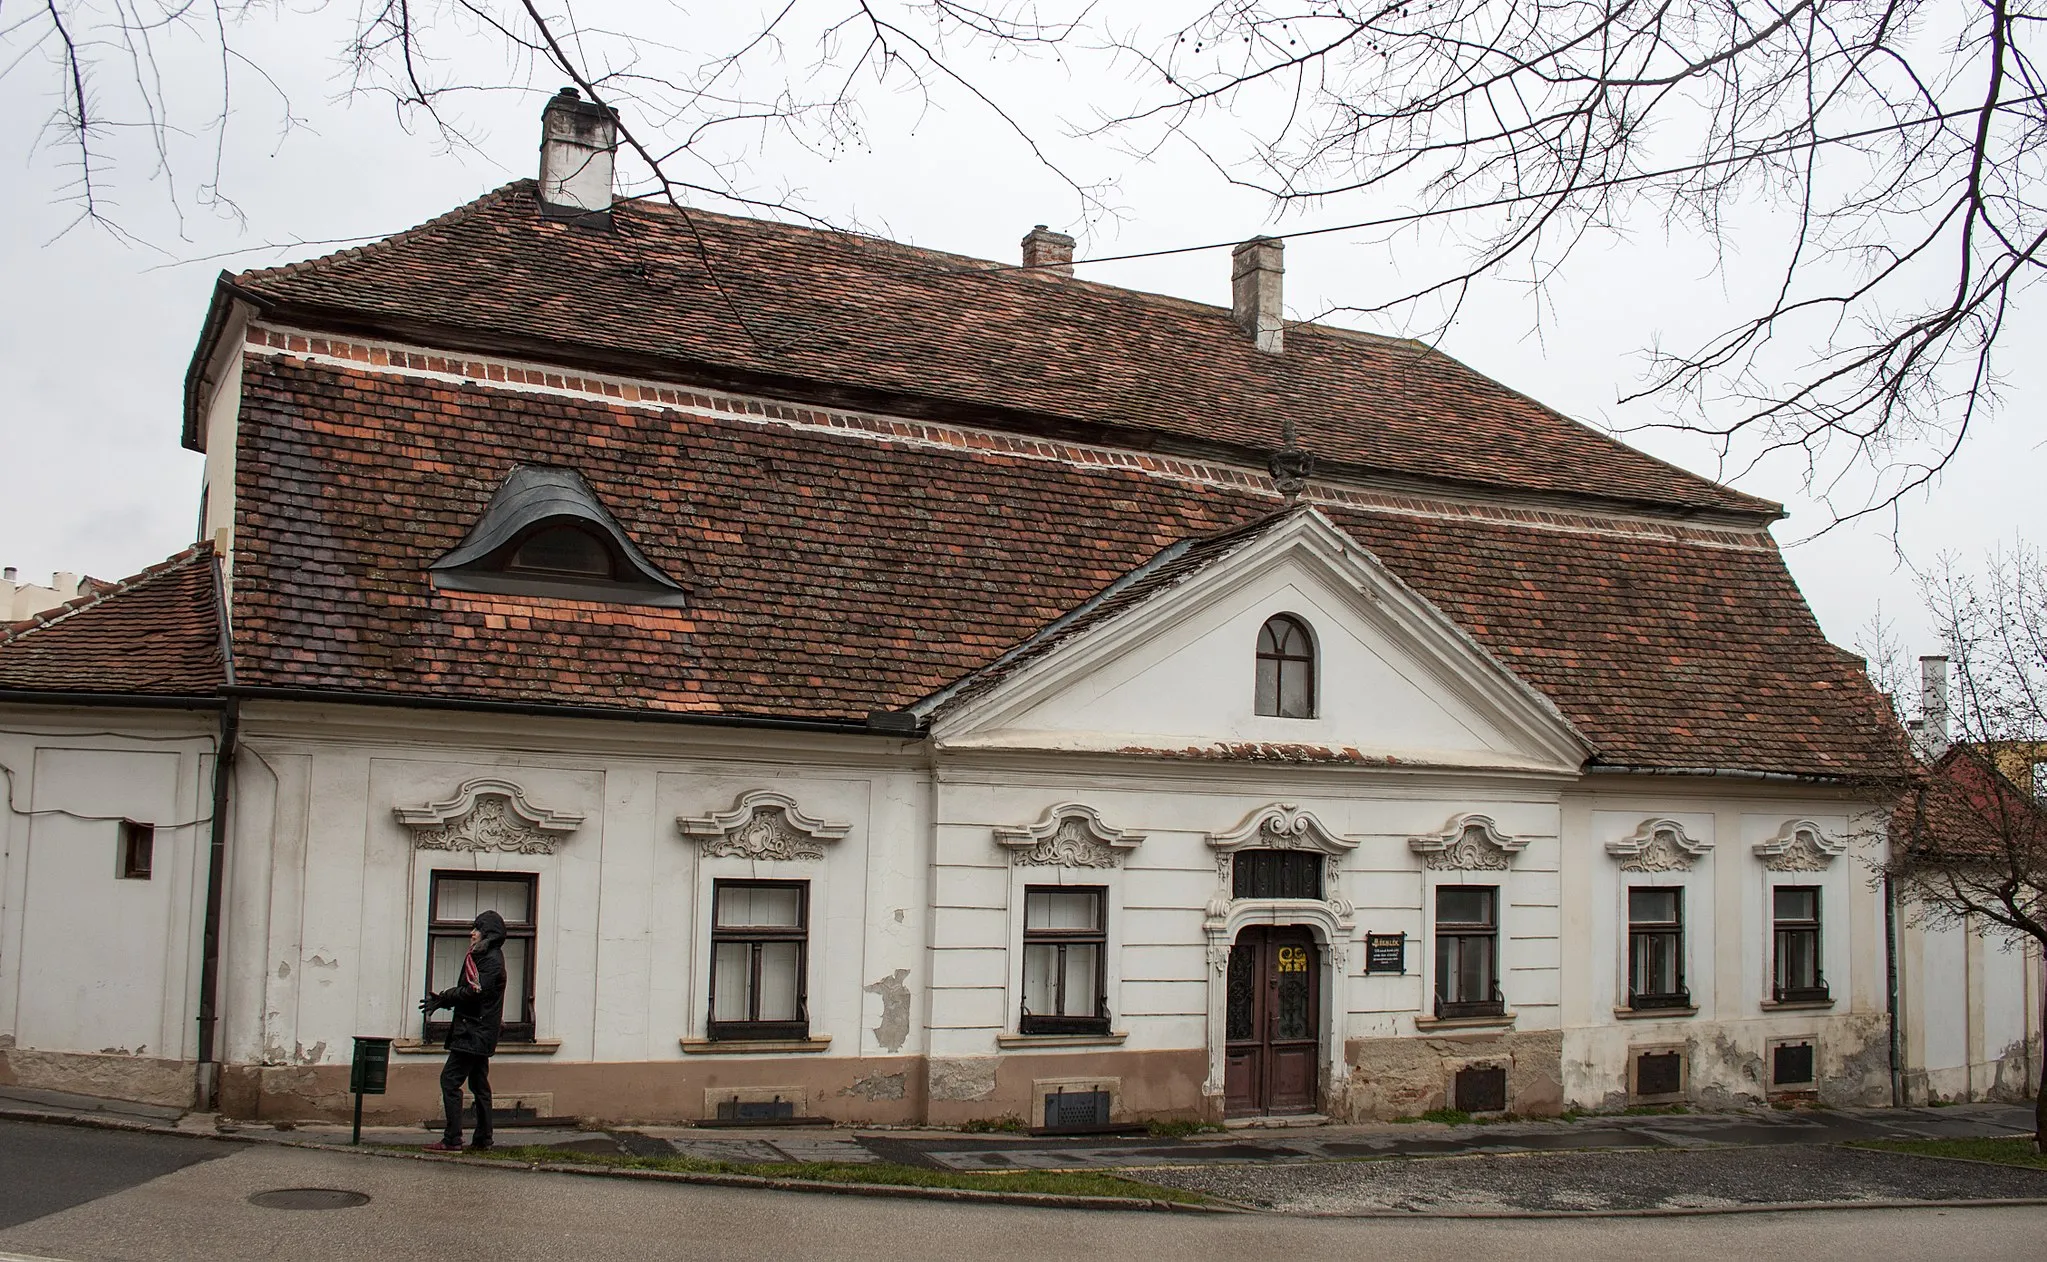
(939, 694)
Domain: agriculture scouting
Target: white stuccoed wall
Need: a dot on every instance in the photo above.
(99, 974)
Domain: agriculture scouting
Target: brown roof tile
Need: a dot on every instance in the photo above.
(834, 311)
(832, 575)
(155, 634)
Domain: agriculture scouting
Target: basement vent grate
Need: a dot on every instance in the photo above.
(1076, 1110)
(756, 1110)
(1482, 1089)
(1791, 1065)
(1659, 1073)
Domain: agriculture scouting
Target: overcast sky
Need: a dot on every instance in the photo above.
(95, 338)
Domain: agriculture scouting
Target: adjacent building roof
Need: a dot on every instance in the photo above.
(832, 575)
(813, 316)
(156, 634)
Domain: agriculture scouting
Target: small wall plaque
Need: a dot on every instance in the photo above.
(1385, 953)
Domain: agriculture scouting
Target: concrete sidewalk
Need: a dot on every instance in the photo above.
(958, 1151)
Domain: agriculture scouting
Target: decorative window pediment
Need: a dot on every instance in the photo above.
(487, 814)
(1470, 843)
(1800, 846)
(1070, 836)
(762, 825)
(1659, 845)
(1282, 826)
(545, 533)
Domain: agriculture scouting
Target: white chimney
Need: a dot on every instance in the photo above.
(578, 147)
(1933, 705)
(1048, 253)
(1255, 271)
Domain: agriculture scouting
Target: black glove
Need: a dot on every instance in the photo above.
(430, 1004)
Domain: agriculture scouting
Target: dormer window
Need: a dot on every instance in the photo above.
(1286, 668)
(562, 552)
(545, 534)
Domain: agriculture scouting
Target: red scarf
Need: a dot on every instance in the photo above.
(469, 977)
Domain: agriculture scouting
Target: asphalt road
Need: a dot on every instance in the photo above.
(44, 1169)
(199, 1209)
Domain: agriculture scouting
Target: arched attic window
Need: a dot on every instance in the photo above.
(1286, 668)
(545, 533)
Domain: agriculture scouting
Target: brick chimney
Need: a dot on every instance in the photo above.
(1933, 737)
(1255, 271)
(1048, 253)
(578, 145)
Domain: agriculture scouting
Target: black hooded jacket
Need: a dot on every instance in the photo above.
(478, 1012)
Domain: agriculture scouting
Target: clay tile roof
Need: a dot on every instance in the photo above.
(832, 574)
(1964, 808)
(155, 634)
(797, 311)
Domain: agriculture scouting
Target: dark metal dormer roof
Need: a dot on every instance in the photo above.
(533, 496)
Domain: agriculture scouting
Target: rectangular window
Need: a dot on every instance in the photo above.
(1276, 874)
(136, 851)
(1467, 951)
(1795, 972)
(1065, 953)
(760, 947)
(1656, 942)
(454, 902)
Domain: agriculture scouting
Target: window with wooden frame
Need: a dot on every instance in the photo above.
(1286, 668)
(1656, 949)
(454, 901)
(1467, 951)
(1795, 975)
(135, 851)
(760, 950)
(1065, 958)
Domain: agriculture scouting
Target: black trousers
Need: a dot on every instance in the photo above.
(475, 1070)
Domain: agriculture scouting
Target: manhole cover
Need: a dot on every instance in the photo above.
(308, 1198)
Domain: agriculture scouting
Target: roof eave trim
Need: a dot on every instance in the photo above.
(126, 700)
(1722, 773)
(543, 709)
(219, 313)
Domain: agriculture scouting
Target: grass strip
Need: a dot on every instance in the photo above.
(1038, 1182)
(2004, 1152)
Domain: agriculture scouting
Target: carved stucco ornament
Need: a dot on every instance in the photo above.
(762, 825)
(487, 814)
(1470, 843)
(1070, 836)
(1659, 845)
(1800, 846)
(1281, 826)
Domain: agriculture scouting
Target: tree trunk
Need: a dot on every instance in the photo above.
(2040, 1096)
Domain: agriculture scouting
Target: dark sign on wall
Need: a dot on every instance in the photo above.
(1385, 953)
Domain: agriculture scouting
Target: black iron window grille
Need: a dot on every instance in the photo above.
(1286, 669)
(1276, 874)
(1795, 975)
(760, 946)
(1656, 949)
(1065, 960)
(455, 899)
(1467, 951)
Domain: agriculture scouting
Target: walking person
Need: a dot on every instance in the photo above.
(478, 1004)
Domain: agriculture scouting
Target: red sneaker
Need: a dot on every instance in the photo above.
(441, 1147)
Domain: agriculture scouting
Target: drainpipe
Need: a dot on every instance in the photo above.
(1891, 992)
(216, 879)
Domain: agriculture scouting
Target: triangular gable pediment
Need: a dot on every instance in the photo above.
(1171, 671)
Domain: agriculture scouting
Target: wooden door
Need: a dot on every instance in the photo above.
(1272, 1051)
